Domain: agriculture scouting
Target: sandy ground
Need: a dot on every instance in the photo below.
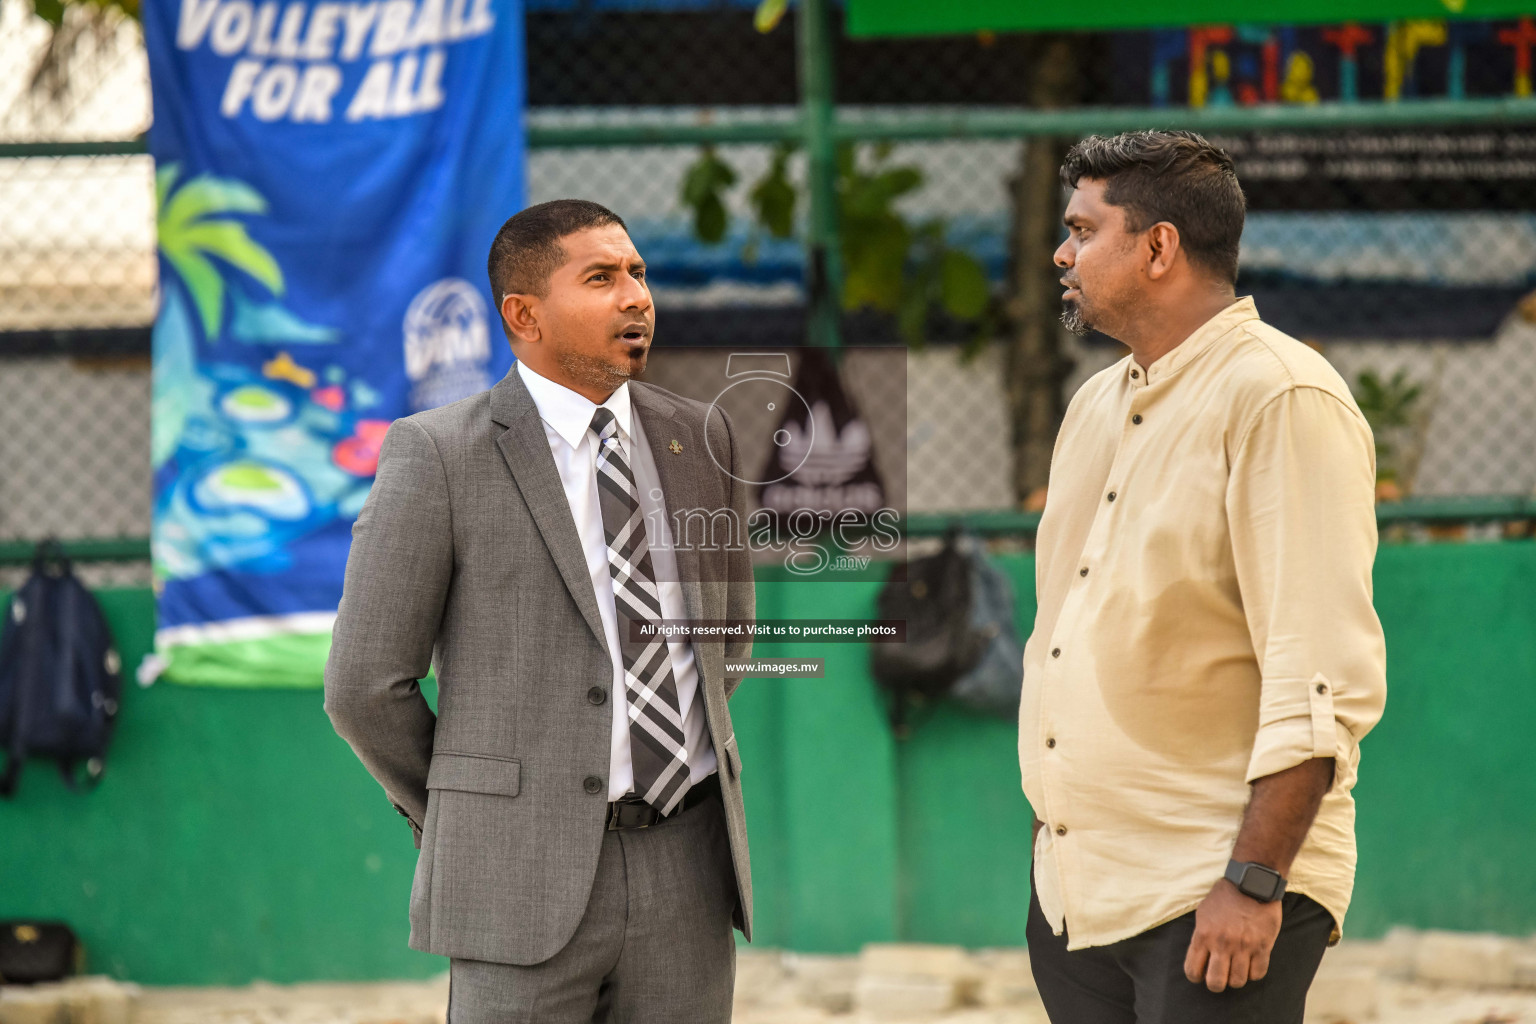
(1407, 978)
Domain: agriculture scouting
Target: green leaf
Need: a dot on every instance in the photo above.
(695, 184)
(875, 278)
(724, 174)
(709, 219)
(165, 177)
(897, 181)
(206, 194)
(912, 318)
(773, 199)
(51, 11)
(963, 287)
(228, 240)
(701, 190)
(845, 159)
(768, 15)
(707, 174)
(204, 283)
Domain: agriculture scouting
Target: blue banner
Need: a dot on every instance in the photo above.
(329, 179)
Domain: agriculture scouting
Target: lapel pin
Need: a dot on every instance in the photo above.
(675, 448)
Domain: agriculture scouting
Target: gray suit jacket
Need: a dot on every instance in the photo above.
(466, 550)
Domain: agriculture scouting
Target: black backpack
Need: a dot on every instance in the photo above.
(943, 644)
(60, 674)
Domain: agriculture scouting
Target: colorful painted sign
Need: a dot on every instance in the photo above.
(330, 177)
(1248, 64)
(1420, 169)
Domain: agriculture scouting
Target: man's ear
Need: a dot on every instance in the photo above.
(1163, 248)
(521, 315)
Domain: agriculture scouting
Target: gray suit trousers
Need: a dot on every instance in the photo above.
(653, 947)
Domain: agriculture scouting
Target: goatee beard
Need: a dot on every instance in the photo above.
(1072, 319)
(597, 372)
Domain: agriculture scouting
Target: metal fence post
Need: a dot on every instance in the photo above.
(823, 248)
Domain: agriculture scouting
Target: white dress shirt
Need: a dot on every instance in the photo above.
(567, 420)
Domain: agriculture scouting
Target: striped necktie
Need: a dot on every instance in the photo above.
(656, 740)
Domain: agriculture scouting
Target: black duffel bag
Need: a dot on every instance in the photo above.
(34, 951)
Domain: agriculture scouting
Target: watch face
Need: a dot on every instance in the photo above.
(1260, 882)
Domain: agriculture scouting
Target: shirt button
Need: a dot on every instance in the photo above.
(596, 695)
(1322, 687)
(1112, 495)
(1056, 652)
(1135, 375)
(1051, 742)
(593, 784)
(1136, 419)
(1061, 830)
(1083, 571)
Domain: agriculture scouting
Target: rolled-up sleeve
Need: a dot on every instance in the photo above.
(1301, 509)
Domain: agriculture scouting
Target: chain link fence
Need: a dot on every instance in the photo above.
(1406, 255)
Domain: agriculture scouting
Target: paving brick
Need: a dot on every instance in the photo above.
(1343, 994)
(762, 981)
(1465, 958)
(1006, 979)
(945, 975)
(821, 981)
(99, 1000)
(897, 998)
(35, 1004)
(915, 959)
(1524, 964)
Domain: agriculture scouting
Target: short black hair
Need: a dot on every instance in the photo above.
(1173, 176)
(527, 249)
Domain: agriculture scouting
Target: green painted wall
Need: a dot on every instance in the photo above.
(236, 837)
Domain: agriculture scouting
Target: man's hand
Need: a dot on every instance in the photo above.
(1233, 938)
(1235, 933)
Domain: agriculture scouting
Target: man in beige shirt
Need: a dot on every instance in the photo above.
(1206, 657)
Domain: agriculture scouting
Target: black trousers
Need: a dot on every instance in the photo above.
(1141, 980)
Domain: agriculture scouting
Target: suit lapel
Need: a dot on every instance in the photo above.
(525, 447)
(679, 472)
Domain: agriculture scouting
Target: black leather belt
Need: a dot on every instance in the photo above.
(634, 812)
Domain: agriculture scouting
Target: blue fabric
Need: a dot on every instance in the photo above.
(330, 177)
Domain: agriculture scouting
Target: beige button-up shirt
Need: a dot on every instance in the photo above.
(1203, 571)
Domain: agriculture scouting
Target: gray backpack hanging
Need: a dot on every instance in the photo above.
(961, 641)
(993, 684)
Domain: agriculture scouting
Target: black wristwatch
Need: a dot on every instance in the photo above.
(1255, 880)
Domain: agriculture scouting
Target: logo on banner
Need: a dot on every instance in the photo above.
(447, 343)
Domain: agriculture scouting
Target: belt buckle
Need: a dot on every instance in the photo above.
(647, 817)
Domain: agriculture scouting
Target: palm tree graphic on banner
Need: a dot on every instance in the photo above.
(193, 225)
(248, 458)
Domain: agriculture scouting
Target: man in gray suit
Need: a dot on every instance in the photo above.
(577, 797)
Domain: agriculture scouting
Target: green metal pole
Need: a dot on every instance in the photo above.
(823, 250)
(1493, 112)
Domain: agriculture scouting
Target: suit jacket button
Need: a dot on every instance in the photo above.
(593, 784)
(596, 695)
